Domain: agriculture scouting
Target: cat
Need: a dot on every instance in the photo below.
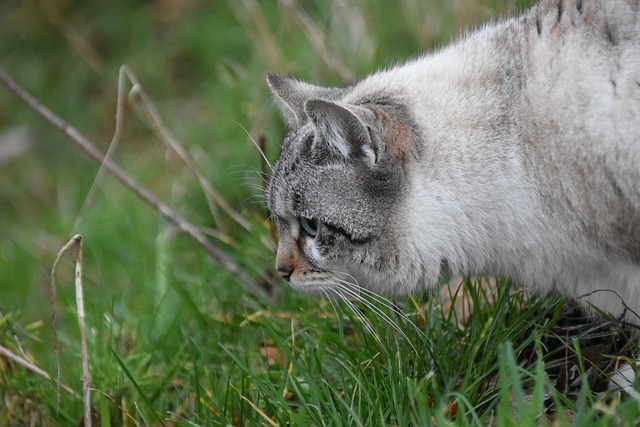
(513, 152)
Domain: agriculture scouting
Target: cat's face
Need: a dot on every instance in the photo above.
(336, 190)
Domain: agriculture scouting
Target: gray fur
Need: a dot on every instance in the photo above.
(513, 152)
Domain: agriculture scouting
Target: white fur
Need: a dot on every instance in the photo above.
(474, 203)
(526, 161)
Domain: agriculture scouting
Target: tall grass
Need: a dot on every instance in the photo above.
(173, 338)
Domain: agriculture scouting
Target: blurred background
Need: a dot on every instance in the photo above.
(203, 65)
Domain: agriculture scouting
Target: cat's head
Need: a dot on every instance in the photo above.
(337, 189)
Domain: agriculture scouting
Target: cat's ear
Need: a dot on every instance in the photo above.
(344, 127)
(291, 94)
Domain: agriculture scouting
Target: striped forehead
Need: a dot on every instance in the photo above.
(287, 172)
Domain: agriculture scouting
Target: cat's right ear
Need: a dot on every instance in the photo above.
(291, 94)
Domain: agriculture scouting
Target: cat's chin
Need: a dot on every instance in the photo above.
(351, 282)
(348, 279)
(332, 282)
(324, 284)
(313, 287)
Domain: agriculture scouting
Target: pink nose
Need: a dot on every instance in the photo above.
(284, 271)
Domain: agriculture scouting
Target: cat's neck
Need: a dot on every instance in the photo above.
(458, 84)
(466, 102)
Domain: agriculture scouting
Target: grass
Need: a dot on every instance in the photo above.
(174, 339)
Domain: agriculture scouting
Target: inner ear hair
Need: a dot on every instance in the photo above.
(344, 127)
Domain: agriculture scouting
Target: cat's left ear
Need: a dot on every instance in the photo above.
(291, 94)
(344, 127)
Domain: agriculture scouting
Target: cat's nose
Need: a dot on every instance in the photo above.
(284, 271)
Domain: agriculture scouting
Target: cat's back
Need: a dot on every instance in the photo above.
(581, 112)
(588, 50)
(582, 63)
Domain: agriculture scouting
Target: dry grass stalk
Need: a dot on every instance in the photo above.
(74, 244)
(317, 38)
(117, 134)
(258, 29)
(169, 214)
(153, 120)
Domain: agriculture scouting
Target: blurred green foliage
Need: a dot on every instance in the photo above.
(172, 335)
(203, 63)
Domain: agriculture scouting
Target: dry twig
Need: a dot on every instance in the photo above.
(152, 117)
(183, 225)
(5, 352)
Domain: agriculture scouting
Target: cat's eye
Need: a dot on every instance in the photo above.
(310, 226)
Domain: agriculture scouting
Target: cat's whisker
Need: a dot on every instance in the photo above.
(249, 168)
(379, 299)
(256, 188)
(250, 176)
(255, 201)
(332, 302)
(356, 291)
(391, 306)
(255, 143)
(250, 180)
(254, 179)
(376, 310)
(257, 193)
(352, 280)
(360, 316)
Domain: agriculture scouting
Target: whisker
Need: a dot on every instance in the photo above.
(332, 302)
(248, 179)
(264, 157)
(391, 306)
(256, 198)
(252, 175)
(255, 187)
(361, 317)
(379, 312)
(379, 299)
(247, 168)
(254, 201)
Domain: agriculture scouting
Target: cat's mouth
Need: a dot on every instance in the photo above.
(327, 283)
(314, 286)
(311, 281)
